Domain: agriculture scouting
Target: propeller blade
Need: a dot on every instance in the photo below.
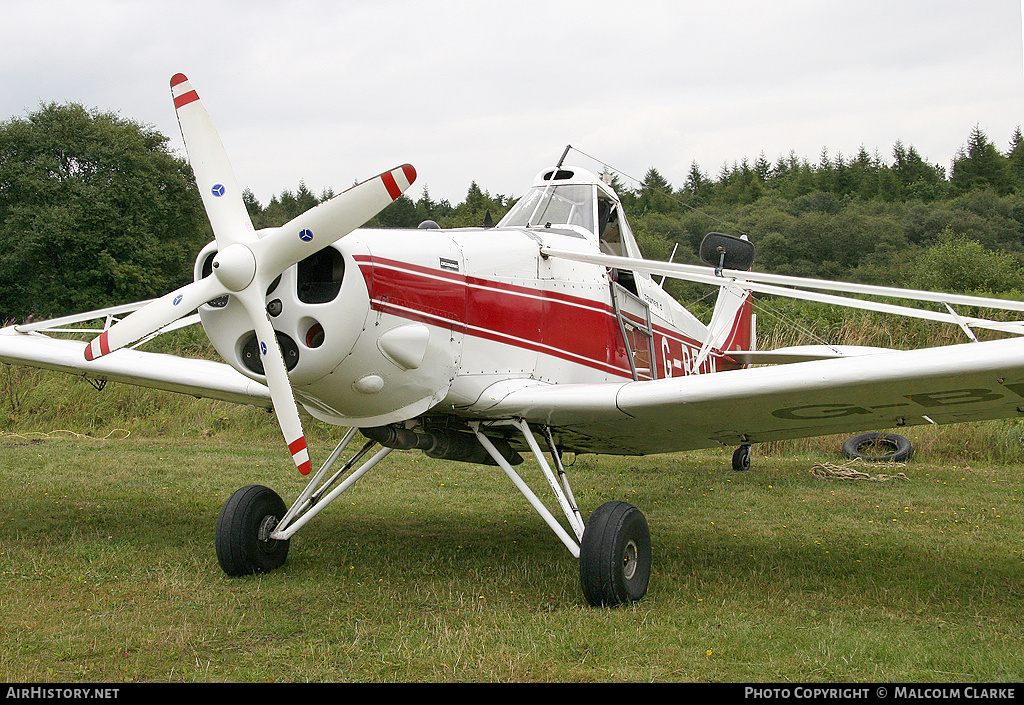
(330, 221)
(246, 262)
(285, 408)
(215, 178)
(154, 316)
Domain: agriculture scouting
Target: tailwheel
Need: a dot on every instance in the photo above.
(243, 532)
(741, 458)
(615, 555)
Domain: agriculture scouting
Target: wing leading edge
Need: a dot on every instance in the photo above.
(969, 382)
(200, 378)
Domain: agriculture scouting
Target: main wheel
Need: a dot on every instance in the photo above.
(878, 447)
(243, 532)
(615, 555)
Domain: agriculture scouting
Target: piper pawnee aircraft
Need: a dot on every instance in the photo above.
(545, 334)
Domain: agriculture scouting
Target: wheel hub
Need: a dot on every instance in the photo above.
(630, 560)
(267, 527)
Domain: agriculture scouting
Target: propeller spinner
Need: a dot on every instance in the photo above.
(247, 261)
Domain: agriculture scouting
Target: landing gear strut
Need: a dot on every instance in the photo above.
(613, 547)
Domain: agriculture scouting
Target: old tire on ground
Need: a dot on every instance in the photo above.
(878, 447)
(615, 555)
(243, 527)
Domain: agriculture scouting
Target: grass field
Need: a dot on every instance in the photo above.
(434, 571)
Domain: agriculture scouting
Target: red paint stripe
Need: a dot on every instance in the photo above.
(88, 352)
(501, 337)
(186, 98)
(581, 330)
(298, 445)
(513, 289)
(391, 185)
(527, 318)
(491, 283)
(104, 344)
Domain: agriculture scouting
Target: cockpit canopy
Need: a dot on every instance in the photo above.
(576, 200)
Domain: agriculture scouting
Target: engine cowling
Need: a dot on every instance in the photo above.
(351, 359)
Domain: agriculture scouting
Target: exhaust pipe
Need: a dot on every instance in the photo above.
(441, 444)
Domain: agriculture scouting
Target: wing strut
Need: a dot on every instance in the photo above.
(788, 286)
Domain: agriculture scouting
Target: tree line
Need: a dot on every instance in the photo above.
(900, 221)
(95, 209)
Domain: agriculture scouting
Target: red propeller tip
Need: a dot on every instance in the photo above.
(390, 180)
(97, 347)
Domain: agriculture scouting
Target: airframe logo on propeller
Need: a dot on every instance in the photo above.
(217, 190)
(306, 235)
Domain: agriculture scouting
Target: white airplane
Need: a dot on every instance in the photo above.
(545, 334)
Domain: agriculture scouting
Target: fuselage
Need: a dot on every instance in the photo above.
(386, 325)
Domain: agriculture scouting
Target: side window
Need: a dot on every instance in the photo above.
(609, 232)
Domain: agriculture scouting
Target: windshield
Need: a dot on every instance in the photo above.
(561, 205)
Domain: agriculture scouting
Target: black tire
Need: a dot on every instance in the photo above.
(251, 512)
(615, 555)
(741, 458)
(878, 447)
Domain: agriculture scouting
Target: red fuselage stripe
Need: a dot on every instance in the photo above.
(572, 328)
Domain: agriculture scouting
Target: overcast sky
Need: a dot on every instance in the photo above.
(331, 92)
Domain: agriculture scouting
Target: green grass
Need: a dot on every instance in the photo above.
(434, 571)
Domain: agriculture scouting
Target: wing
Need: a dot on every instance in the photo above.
(200, 378)
(969, 382)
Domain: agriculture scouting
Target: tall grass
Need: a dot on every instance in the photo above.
(434, 571)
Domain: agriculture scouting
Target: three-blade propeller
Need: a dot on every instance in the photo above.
(246, 262)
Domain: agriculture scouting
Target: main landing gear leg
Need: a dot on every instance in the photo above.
(614, 546)
(254, 530)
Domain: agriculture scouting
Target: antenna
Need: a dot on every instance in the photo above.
(564, 155)
(542, 205)
(670, 258)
